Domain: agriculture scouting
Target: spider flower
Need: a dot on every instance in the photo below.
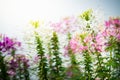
(8, 45)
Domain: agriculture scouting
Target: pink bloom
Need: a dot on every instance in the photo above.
(99, 39)
(99, 43)
(112, 32)
(112, 28)
(69, 73)
(83, 48)
(88, 39)
(107, 44)
(104, 33)
(65, 25)
(7, 44)
(115, 21)
(13, 64)
(97, 47)
(36, 59)
(74, 45)
(118, 36)
(11, 72)
(107, 23)
(69, 20)
(97, 78)
(66, 51)
(57, 26)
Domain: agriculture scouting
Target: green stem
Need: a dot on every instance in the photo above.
(88, 68)
(20, 73)
(3, 69)
(110, 67)
(100, 67)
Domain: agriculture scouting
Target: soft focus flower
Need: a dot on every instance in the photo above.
(97, 78)
(99, 43)
(57, 27)
(99, 39)
(112, 28)
(36, 59)
(107, 23)
(13, 64)
(66, 51)
(11, 72)
(18, 62)
(83, 48)
(97, 47)
(22, 59)
(7, 44)
(118, 37)
(74, 45)
(69, 73)
(88, 39)
(66, 25)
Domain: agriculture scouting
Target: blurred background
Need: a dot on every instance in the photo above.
(16, 14)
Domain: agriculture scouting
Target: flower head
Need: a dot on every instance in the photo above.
(11, 72)
(112, 28)
(8, 45)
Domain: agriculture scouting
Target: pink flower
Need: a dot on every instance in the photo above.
(22, 58)
(65, 25)
(74, 44)
(99, 43)
(66, 51)
(97, 78)
(97, 47)
(115, 21)
(107, 23)
(36, 59)
(11, 72)
(69, 73)
(104, 33)
(69, 20)
(57, 26)
(118, 37)
(99, 39)
(83, 48)
(7, 44)
(113, 30)
(88, 39)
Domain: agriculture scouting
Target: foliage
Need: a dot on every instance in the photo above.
(3, 69)
(42, 67)
(56, 69)
(16, 67)
(74, 48)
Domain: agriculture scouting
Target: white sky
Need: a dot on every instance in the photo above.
(16, 14)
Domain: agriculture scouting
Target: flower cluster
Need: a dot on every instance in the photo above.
(80, 43)
(8, 45)
(112, 28)
(98, 43)
(66, 25)
(82, 34)
(12, 65)
(19, 61)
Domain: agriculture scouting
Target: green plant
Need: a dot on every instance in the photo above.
(102, 71)
(3, 68)
(88, 66)
(42, 67)
(116, 61)
(57, 71)
(73, 71)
